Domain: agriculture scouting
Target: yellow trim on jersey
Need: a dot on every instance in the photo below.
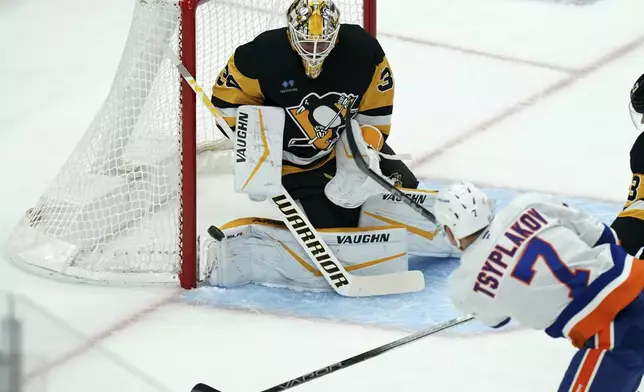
(430, 235)
(635, 192)
(637, 214)
(231, 121)
(349, 268)
(235, 88)
(380, 92)
(289, 169)
(385, 129)
(266, 153)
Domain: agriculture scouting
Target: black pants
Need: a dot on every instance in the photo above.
(630, 232)
(308, 188)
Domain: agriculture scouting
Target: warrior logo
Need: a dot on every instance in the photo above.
(321, 119)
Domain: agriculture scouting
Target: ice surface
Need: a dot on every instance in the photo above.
(541, 89)
(412, 311)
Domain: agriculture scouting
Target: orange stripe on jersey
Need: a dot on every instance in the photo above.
(607, 310)
(587, 370)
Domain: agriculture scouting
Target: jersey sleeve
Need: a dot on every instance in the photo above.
(589, 229)
(629, 224)
(235, 87)
(377, 102)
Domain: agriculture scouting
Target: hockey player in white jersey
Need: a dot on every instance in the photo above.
(551, 267)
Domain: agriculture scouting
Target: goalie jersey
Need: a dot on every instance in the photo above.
(629, 224)
(549, 267)
(356, 80)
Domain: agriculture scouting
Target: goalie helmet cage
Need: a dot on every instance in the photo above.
(123, 209)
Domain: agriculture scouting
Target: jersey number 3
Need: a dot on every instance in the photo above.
(540, 249)
(386, 80)
(635, 186)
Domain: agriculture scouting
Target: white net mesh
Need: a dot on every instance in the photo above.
(113, 212)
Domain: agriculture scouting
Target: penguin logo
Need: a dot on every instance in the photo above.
(321, 118)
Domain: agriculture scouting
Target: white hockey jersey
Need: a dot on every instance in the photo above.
(547, 266)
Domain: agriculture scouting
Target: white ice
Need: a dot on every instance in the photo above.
(536, 94)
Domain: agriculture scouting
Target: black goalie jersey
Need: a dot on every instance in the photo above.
(356, 80)
(629, 224)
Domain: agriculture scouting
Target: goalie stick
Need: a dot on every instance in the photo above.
(364, 167)
(298, 224)
(355, 359)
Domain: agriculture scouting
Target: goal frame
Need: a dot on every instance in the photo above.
(188, 248)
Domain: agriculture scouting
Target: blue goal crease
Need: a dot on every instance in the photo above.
(412, 311)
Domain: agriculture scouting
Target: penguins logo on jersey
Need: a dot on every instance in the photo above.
(321, 119)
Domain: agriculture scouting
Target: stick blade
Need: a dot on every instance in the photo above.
(203, 388)
(396, 283)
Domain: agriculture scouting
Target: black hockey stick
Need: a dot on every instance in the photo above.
(353, 360)
(362, 165)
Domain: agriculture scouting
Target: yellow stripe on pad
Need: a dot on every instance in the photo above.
(264, 155)
(354, 267)
(430, 235)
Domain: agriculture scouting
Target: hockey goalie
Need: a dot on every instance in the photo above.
(288, 95)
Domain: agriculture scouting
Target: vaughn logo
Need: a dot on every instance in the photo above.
(420, 199)
(242, 127)
(313, 246)
(363, 238)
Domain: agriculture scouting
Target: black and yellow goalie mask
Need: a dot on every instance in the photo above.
(313, 27)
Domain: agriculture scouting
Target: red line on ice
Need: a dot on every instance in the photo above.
(531, 101)
(92, 342)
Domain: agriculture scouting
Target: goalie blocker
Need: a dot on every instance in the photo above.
(264, 251)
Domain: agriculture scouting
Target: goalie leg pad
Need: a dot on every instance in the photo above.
(424, 237)
(350, 187)
(263, 251)
(258, 151)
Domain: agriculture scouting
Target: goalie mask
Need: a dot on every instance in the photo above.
(637, 103)
(313, 27)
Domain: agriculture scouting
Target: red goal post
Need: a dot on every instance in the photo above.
(188, 274)
(123, 209)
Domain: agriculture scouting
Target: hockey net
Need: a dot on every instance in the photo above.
(123, 207)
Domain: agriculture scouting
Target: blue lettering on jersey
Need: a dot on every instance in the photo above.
(494, 268)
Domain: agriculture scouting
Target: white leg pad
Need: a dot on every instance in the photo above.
(263, 251)
(424, 237)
